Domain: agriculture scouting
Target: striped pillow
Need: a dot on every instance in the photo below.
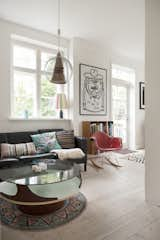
(66, 139)
(16, 150)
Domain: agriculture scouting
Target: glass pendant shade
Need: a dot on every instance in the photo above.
(58, 72)
(58, 69)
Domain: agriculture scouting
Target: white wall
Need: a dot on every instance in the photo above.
(89, 53)
(6, 29)
(139, 68)
(152, 123)
(140, 113)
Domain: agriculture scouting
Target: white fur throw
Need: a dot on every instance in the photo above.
(72, 153)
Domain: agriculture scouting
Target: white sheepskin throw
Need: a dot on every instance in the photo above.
(72, 153)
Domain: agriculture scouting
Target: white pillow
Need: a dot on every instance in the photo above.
(72, 153)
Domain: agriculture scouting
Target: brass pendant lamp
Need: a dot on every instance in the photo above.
(62, 68)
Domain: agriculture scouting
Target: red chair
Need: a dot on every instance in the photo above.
(105, 143)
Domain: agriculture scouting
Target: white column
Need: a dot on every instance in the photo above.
(152, 123)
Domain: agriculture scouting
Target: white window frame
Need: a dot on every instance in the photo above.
(131, 101)
(120, 82)
(38, 73)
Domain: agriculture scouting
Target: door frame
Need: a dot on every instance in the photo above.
(123, 83)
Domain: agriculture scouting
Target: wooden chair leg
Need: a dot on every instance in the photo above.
(110, 161)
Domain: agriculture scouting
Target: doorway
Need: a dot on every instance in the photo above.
(123, 104)
(120, 113)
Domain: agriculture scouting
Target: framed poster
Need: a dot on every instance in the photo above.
(93, 90)
(142, 95)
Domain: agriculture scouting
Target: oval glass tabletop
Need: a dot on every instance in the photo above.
(57, 171)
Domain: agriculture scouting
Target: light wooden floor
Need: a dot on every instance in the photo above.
(116, 210)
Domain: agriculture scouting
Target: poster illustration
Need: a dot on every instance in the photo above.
(93, 90)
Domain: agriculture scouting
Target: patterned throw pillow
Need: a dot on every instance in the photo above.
(45, 142)
(66, 138)
(16, 150)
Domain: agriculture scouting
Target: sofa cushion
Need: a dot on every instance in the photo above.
(38, 156)
(45, 142)
(3, 137)
(20, 137)
(66, 138)
(8, 162)
(50, 130)
(14, 150)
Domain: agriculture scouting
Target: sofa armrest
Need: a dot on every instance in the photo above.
(81, 142)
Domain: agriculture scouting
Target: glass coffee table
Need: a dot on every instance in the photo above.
(42, 192)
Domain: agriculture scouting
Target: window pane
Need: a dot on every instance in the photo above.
(123, 73)
(44, 58)
(48, 98)
(24, 94)
(119, 111)
(24, 57)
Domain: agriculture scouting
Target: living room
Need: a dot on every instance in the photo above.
(104, 81)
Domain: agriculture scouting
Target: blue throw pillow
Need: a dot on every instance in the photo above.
(45, 142)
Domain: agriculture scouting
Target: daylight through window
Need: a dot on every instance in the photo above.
(32, 93)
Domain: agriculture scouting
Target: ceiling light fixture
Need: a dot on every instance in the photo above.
(62, 68)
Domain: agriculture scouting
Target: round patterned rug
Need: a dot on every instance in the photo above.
(10, 215)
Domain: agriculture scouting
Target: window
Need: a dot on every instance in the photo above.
(123, 73)
(123, 104)
(32, 94)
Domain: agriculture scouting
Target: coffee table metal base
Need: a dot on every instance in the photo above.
(41, 209)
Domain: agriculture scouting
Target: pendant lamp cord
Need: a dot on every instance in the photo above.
(59, 23)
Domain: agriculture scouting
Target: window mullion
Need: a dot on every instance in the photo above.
(38, 82)
(22, 69)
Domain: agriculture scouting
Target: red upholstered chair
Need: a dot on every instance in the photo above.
(105, 143)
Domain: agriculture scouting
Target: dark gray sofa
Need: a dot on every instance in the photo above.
(23, 137)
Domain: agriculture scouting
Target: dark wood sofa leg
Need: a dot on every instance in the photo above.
(85, 167)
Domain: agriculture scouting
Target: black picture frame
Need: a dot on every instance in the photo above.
(85, 70)
(142, 95)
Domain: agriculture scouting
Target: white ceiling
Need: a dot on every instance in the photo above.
(118, 24)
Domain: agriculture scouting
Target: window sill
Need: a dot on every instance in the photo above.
(38, 119)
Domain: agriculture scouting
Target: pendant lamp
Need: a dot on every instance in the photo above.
(62, 68)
